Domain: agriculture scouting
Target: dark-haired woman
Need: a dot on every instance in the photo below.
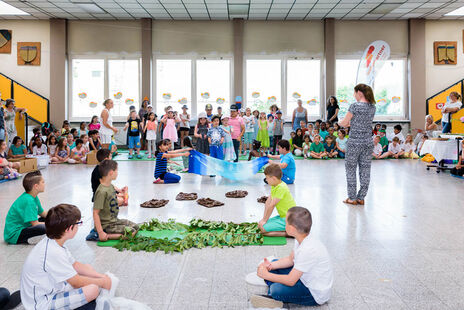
(360, 144)
(332, 109)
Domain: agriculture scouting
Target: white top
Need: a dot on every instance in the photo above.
(105, 130)
(311, 258)
(446, 116)
(52, 149)
(408, 147)
(44, 274)
(378, 149)
(399, 135)
(394, 149)
(184, 118)
(42, 150)
(249, 126)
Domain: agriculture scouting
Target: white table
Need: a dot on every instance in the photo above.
(441, 150)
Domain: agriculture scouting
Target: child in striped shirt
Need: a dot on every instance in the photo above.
(163, 153)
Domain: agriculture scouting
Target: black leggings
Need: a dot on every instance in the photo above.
(90, 306)
(276, 141)
(30, 232)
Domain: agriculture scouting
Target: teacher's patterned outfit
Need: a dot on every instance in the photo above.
(359, 149)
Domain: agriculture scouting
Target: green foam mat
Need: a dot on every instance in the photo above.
(161, 234)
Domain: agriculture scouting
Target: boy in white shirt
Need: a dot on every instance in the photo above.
(394, 149)
(304, 277)
(377, 152)
(51, 277)
(397, 133)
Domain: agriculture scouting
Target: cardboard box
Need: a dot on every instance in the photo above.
(26, 164)
(92, 158)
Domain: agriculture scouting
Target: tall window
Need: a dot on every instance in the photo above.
(263, 84)
(173, 84)
(213, 84)
(123, 85)
(389, 87)
(304, 82)
(88, 87)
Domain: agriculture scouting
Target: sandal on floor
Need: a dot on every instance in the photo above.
(360, 202)
(350, 202)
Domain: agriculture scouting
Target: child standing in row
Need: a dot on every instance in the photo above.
(170, 131)
(249, 120)
(228, 145)
(263, 135)
(201, 133)
(216, 137)
(187, 146)
(135, 126)
(161, 166)
(278, 130)
(184, 125)
(270, 130)
(150, 129)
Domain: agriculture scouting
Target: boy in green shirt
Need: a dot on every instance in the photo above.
(106, 207)
(317, 148)
(22, 222)
(383, 140)
(280, 198)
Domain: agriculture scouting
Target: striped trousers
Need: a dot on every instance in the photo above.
(358, 155)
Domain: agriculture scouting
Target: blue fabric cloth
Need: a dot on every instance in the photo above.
(216, 151)
(134, 142)
(296, 294)
(291, 169)
(206, 165)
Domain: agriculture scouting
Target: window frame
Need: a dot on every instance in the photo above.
(106, 94)
(406, 103)
(194, 102)
(284, 80)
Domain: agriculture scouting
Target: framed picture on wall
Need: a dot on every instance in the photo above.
(445, 52)
(5, 41)
(29, 53)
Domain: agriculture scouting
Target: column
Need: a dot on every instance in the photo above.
(58, 53)
(329, 62)
(146, 57)
(417, 81)
(238, 58)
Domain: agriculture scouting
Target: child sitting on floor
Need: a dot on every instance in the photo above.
(70, 141)
(94, 141)
(22, 221)
(377, 152)
(85, 140)
(94, 124)
(287, 162)
(304, 277)
(394, 149)
(51, 277)
(297, 143)
(397, 133)
(17, 148)
(51, 145)
(161, 166)
(281, 199)
(330, 147)
(341, 143)
(421, 143)
(306, 147)
(65, 129)
(292, 137)
(78, 153)
(409, 148)
(39, 147)
(106, 207)
(62, 152)
(383, 140)
(317, 148)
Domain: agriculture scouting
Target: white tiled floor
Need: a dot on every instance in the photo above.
(403, 250)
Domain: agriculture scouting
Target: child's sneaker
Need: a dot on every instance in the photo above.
(264, 301)
(92, 236)
(139, 156)
(149, 156)
(253, 279)
(34, 240)
(130, 157)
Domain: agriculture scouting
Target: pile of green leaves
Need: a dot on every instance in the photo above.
(199, 234)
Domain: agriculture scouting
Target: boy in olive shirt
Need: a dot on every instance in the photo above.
(280, 198)
(22, 221)
(106, 207)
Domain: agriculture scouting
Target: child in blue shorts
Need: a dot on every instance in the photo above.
(281, 199)
(135, 126)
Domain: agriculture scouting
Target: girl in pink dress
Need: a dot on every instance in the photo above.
(170, 131)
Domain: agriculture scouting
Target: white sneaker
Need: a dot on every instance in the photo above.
(262, 301)
(253, 279)
(34, 240)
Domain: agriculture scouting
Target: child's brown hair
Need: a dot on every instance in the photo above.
(300, 218)
(60, 218)
(273, 170)
(106, 166)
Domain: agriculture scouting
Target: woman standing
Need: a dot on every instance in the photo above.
(143, 113)
(10, 115)
(448, 109)
(360, 144)
(107, 130)
(332, 109)
(299, 114)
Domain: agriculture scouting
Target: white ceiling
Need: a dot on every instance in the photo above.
(223, 9)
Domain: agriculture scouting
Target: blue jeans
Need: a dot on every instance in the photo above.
(297, 294)
(446, 127)
(2, 134)
(170, 178)
(216, 151)
(341, 154)
(287, 179)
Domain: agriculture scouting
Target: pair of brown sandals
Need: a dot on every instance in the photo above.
(354, 202)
